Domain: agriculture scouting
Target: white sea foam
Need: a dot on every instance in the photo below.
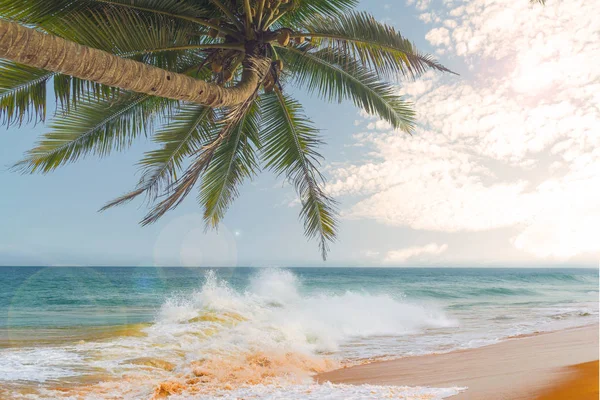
(328, 391)
(325, 391)
(272, 312)
(39, 364)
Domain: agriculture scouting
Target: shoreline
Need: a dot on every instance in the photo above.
(514, 369)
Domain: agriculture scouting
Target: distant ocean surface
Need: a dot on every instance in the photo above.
(227, 333)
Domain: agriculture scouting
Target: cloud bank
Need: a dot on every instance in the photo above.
(513, 143)
(403, 255)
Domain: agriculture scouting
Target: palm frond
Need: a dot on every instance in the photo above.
(302, 10)
(204, 156)
(376, 45)
(22, 92)
(335, 77)
(69, 91)
(40, 12)
(289, 142)
(190, 128)
(199, 11)
(233, 162)
(93, 127)
(124, 31)
(196, 8)
(152, 39)
(37, 12)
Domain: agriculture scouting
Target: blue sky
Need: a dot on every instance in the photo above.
(503, 169)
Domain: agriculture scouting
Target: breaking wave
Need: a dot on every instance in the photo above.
(271, 332)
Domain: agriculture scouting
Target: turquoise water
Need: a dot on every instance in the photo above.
(90, 323)
(63, 297)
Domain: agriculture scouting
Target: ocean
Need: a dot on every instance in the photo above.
(255, 333)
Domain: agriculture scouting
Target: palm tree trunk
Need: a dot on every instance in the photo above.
(30, 47)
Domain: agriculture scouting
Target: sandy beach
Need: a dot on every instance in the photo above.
(550, 366)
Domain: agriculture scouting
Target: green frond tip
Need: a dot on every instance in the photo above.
(93, 127)
(303, 10)
(335, 76)
(376, 45)
(129, 34)
(36, 12)
(289, 142)
(22, 93)
(203, 158)
(45, 13)
(234, 161)
(191, 127)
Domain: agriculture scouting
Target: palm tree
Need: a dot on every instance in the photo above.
(210, 76)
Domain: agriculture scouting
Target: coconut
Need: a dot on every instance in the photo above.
(212, 32)
(284, 38)
(217, 67)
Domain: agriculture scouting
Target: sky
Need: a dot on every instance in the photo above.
(502, 170)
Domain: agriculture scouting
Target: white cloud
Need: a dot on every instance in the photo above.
(516, 146)
(439, 36)
(403, 255)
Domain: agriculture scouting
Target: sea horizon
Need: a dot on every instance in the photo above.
(341, 265)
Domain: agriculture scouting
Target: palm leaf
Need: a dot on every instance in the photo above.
(377, 45)
(179, 190)
(194, 8)
(190, 128)
(233, 161)
(335, 77)
(22, 92)
(289, 141)
(69, 91)
(302, 10)
(124, 31)
(40, 12)
(36, 12)
(93, 128)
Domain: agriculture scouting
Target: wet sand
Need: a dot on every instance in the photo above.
(517, 369)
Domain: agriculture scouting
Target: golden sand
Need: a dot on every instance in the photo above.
(580, 382)
(517, 369)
